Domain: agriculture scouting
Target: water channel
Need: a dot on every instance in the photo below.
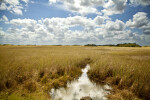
(81, 87)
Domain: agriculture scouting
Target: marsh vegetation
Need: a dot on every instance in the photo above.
(30, 72)
(81, 87)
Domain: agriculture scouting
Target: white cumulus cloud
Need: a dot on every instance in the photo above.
(85, 7)
(4, 18)
(58, 31)
(13, 6)
(140, 2)
(114, 7)
(118, 25)
(141, 21)
(82, 7)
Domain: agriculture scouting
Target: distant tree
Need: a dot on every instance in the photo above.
(146, 46)
(6, 44)
(76, 45)
(90, 45)
(128, 45)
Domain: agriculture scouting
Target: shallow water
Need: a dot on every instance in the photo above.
(81, 87)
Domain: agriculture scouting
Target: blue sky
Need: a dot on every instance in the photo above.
(68, 22)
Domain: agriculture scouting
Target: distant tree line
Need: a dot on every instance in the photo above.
(118, 45)
(90, 45)
(128, 45)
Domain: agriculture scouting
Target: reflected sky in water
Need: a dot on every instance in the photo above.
(81, 87)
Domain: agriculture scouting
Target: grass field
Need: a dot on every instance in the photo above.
(29, 72)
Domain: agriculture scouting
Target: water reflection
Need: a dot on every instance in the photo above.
(82, 87)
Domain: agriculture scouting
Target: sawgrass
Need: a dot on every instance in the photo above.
(29, 72)
(125, 68)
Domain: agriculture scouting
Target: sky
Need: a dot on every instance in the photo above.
(74, 22)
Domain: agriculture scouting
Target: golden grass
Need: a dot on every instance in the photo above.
(29, 72)
(128, 68)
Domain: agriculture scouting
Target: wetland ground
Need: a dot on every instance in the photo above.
(29, 72)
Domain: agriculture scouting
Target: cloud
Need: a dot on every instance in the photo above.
(12, 2)
(118, 25)
(85, 7)
(23, 22)
(17, 10)
(4, 18)
(99, 30)
(140, 2)
(141, 21)
(146, 29)
(3, 6)
(52, 1)
(99, 20)
(26, 1)
(2, 33)
(114, 7)
(13, 6)
(82, 7)
(65, 23)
